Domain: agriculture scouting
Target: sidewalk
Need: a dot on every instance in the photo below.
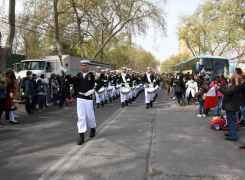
(185, 147)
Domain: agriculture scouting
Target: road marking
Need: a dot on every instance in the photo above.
(60, 167)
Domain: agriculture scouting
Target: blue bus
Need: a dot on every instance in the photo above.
(213, 64)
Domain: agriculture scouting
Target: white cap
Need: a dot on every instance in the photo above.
(85, 61)
(148, 68)
(124, 68)
(107, 69)
(103, 70)
(98, 67)
(111, 71)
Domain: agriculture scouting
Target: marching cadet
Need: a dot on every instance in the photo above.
(113, 81)
(99, 96)
(106, 84)
(131, 77)
(148, 83)
(85, 83)
(118, 85)
(125, 82)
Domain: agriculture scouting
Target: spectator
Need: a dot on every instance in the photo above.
(179, 89)
(54, 89)
(40, 95)
(34, 99)
(9, 104)
(191, 90)
(64, 86)
(173, 85)
(45, 83)
(202, 90)
(231, 106)
(241, 88)
(29, 94)
(2, 97)
(217, 109)
(7, 79)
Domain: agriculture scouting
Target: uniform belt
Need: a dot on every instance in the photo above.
(82, 93)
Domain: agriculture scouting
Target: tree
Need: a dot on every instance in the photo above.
(7, 50)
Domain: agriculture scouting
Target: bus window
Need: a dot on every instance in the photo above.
(207, 62)
(220, 64)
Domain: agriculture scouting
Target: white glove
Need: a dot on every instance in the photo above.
(154, 80)
(90, 92)
(145, 86)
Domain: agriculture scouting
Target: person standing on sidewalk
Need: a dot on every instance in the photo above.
(2, 98)
(85, 109)
(241, 88)
(231, 106)
(29, 94)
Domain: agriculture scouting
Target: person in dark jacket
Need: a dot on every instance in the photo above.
(29, 94)
(179, 89)
(241, 88)
(231, 106)
(2, 98)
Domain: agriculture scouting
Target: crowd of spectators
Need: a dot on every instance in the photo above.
(39, 93)
(191, 88)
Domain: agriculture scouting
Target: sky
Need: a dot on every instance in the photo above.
(164, 47)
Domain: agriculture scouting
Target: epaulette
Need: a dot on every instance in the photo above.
(96, 77)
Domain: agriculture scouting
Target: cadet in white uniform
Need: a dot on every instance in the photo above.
(85, 83)
(148, 83)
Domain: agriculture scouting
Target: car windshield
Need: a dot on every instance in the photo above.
(33, 65)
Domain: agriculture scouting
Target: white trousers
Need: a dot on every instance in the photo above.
(147, 96)
(85, 113)
(106, 94)
(99, 97)
(130, 95)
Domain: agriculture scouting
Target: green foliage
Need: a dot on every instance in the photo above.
(215, 27)
(167, 65)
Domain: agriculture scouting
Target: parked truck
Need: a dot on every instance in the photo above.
(54, 64)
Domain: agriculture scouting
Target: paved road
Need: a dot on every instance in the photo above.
(164, 142)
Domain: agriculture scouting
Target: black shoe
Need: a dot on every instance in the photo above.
(81, 139)
(114, 98)
(110, 99)
(151, 102)
(102, 103)
(226, 134)
(147, 105)
(98, 105)
(122, 104)
(105, 101)
(130, 101)
(126, 103)
(92, 133)
(228, 139)
(13, 122)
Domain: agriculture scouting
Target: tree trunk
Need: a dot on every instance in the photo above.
(56, 28)
(6, 52)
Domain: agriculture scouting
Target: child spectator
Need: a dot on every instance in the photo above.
(9, 104)
(40, 94)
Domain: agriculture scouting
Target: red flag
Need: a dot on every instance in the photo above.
(211, 100)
